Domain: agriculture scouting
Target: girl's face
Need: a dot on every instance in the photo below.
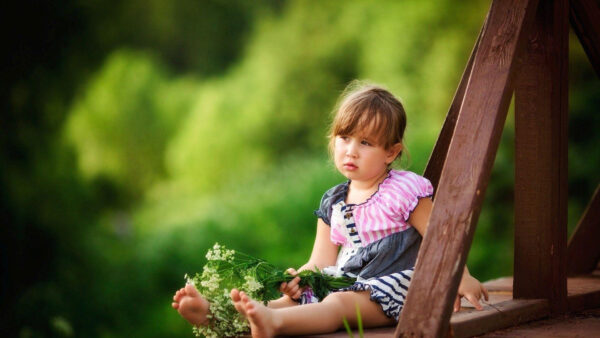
(359, 158)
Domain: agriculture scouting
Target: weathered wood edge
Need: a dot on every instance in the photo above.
(584, 301)
(583, 250)
(502, 315)
(466, 172)
(585, 20)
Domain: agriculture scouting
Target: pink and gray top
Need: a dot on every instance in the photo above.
(377, 231)
(384, 213)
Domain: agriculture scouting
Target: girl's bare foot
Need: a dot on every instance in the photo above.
(263, 321)
(237, 301)
(190, 305)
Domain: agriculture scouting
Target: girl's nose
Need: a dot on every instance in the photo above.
(351, 149)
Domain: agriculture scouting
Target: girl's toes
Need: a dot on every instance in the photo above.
(244, 297)
(250, 308)
(177, 296)
(190, 290)
(175, 305)
(237, 301)
(235, 295)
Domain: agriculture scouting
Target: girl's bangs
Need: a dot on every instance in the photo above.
(368, 123)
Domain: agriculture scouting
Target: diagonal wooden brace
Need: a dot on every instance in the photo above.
(466, 172)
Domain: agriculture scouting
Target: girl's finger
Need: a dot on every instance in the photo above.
(475, 301)
(294, 281)
(485, 293)
(297, 294)
(292, 271)
(457, 303)
(282, 287)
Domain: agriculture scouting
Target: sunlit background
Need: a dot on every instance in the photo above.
(135, 134)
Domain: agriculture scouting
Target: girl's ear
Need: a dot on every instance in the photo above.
(393, 152)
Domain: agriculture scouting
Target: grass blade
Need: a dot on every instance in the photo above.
(359, 322)
(347, 326)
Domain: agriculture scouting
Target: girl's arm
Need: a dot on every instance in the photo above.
(469, 287)
(324, 254)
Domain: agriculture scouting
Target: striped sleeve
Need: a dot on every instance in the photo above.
(409, 188)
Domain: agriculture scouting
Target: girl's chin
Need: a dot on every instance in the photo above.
(351, 175)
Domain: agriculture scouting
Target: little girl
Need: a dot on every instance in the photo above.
(369, 227)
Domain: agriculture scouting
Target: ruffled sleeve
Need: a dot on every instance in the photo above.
(407, 188)
(331, 197)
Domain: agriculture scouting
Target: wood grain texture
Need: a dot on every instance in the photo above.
(433, 171)
(466, 172)
(586, 324)
(585, 20)
(584, 292)
(583, 251)
(541, 122)
(502, 315)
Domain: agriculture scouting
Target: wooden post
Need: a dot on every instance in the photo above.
(585, 20)
(541, 159)
(466, 172)
(433, 171)
(583, 251)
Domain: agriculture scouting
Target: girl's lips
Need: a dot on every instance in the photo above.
(350, 166)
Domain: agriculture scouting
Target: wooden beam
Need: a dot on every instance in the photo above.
(466, 172)
(583, 251)
(584, 292)
(433, 171)
(541, 121)
(506, 314)
(585, 20)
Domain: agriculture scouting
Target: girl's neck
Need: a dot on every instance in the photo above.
(359, 191)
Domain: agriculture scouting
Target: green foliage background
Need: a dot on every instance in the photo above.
(138, 133)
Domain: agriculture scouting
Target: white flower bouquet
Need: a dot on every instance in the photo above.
(227, 269)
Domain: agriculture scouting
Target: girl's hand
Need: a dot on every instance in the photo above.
(291, 288)
(472, 290)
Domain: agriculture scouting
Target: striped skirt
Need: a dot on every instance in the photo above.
(389, 291)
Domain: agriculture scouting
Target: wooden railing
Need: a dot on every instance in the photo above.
(522, 49)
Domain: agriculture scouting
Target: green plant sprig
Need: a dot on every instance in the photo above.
(271, 277)
(227, 269)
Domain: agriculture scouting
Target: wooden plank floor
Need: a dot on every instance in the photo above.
(501, 312)
(581, 324)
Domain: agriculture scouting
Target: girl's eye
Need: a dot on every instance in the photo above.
(365, 142)
(344, 137)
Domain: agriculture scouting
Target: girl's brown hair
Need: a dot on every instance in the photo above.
(369, 110)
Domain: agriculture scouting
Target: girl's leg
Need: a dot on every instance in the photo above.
(190, 305)
(284, 301)
(323, 317)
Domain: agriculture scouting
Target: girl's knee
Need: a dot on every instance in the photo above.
(346, 299)
(346, 303)
(333, 298)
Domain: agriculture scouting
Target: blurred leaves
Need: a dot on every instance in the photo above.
(121, 124)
